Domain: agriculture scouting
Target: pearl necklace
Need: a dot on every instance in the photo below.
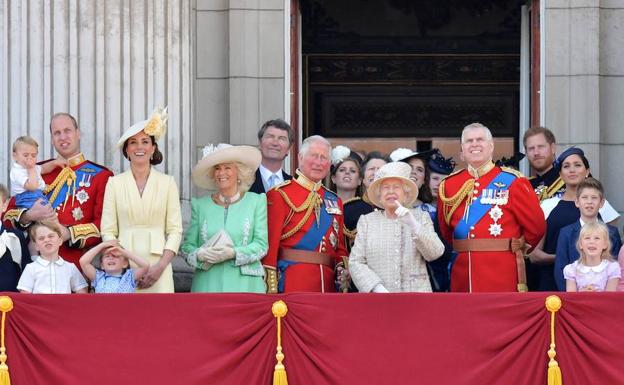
(229, 200)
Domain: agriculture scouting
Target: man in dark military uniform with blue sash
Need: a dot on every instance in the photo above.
(305, 226)
(76, 193)
(488, 213)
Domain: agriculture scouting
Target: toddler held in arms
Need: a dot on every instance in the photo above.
(26, 181)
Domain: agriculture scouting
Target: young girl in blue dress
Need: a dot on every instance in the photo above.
(115, 274)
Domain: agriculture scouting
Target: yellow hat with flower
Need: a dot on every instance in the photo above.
(155, 126)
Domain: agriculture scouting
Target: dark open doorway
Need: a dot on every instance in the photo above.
(412, 73)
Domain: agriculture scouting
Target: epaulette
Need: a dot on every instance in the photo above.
(512, 171)
(98, 165)
(454, 173)
(354, 199)
(281, 185)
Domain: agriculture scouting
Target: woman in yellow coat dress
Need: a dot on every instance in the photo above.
(142, 205)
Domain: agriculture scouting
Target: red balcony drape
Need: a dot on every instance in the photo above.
(327, 339)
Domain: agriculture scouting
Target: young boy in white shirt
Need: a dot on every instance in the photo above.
(49, 273)
(26, 181)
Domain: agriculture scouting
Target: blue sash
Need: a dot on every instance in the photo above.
(310, 240)
(313, 237)
(478, 210)
(86, 173)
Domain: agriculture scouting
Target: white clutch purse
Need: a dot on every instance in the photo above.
(221, 238)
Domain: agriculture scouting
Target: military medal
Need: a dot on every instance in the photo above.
(495, 229)
(335, 225)
(82, 196)
(77, 213)
(496, 213)
(333, 240)
(331, 206)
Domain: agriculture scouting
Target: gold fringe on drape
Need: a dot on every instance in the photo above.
(279, 310)
(6, 305)
(553, 304)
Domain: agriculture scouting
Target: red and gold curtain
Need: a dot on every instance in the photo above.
(327, 339)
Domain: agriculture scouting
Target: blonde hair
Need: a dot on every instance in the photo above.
(32, 231)
(27, 140)
(591, 228)
(246, 175)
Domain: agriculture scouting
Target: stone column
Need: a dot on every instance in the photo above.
(239, 79)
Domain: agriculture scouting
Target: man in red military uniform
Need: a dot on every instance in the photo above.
(76, 193)
(490, 214)
(305, 222)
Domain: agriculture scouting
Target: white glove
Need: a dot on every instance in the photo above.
(406, 216)
(379, 288)
(215, 254)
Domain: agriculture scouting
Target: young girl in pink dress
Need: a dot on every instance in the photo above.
(595, 269)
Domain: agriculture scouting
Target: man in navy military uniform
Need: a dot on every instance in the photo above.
(540, 147)
(275, 139)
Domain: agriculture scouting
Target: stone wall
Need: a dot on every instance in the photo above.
(584, 75)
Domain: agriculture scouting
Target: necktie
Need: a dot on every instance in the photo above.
(272, 180)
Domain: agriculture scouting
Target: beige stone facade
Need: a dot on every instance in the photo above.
(223, 68)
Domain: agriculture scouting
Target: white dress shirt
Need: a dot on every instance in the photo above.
(45, 277)
(265, 173)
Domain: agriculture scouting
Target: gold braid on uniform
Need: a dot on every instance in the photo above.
(451, 204)
(312, 203)
(66, 176)
(552, 189)
(350, 234)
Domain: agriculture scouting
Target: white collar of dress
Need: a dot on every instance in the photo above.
(596, 269)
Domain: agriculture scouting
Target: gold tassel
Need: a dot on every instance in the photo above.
(279, 310)
(6, 305)
(553, 303)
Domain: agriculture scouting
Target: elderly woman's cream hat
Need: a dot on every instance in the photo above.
(155, 126)
(394, 170)
(223, 153)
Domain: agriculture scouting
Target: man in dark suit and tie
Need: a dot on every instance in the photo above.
(275, 138)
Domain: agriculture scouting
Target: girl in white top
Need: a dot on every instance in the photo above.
(595, 269)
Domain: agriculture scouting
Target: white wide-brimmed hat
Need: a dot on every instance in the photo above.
(394, 170)
(223, 153)
(155, 126)
(405, 155)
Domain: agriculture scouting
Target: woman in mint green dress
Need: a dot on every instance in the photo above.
(227, 237)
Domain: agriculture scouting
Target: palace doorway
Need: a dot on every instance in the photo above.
(382, 74)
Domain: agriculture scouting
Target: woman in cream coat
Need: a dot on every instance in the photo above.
(391, 246)
(142, 205)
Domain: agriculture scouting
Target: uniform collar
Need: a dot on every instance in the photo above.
(76, 160)
(305, 182)
(481, 170)
(45, 263)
